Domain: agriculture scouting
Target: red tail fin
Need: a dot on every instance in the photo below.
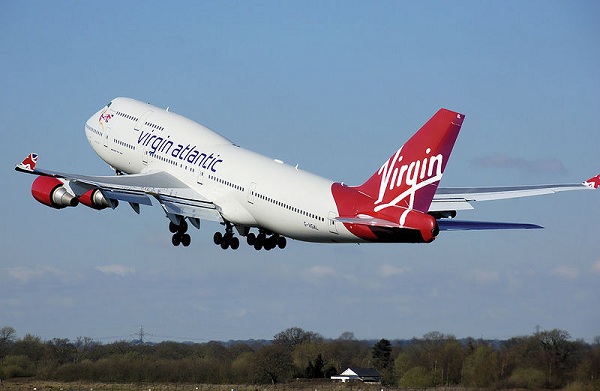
(410, 177)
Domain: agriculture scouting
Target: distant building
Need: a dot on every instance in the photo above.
(366, 375)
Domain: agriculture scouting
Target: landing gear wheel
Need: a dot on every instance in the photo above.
(218, 238)
(173, 227)
(234, 243)
(251, 239)
(183, 227)
(261, 237)
(186, 239)
(176, 240)
(281, 242)
(224, 244)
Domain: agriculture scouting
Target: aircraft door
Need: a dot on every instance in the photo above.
(141, 122)
(140, 126)
(331, 223)
(200, 179)
(251, 192)
(145, 154)
(107, 136)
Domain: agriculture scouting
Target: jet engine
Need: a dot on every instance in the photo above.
(52, 192)
(96, 200)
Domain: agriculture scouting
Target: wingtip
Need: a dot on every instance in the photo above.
(28, 164)
(593, 182)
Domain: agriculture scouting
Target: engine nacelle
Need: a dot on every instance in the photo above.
(96, 200)
(52, 192)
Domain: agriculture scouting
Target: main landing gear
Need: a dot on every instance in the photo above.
(226, 240)
(261, 240)
(264, 240)
(179, 233)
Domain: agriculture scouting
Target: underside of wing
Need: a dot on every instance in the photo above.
(176, 198)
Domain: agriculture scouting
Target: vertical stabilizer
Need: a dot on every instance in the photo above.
(410, 177)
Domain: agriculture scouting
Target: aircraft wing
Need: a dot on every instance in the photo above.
(175, 197)
(460, 198)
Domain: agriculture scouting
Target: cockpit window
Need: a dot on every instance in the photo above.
(109, 103)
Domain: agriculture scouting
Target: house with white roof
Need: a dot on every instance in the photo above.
(366, 375)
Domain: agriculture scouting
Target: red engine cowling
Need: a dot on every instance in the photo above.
(50, 191)
(96, 200)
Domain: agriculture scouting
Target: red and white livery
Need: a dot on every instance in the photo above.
(196, 174)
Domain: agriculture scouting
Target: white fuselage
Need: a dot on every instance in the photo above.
(248, 189)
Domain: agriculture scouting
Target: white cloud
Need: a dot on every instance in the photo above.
(387, 270)
(535, 166)
(567, 272)
(596, 267)
(484, 276)
(26, 274)
(320, 271)
(119, 270)
(238, 313)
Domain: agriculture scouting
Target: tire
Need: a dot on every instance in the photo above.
(261, 238)
(176, 240)
(183, 227)
(251, 239)
(218, 238)
(186, 239)
(235, 243)
(173, 227)
(281, 242)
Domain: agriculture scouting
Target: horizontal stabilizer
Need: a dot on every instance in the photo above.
(370, 221)
(460, 225)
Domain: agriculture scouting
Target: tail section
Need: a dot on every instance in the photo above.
(410, 178)
(392, 205)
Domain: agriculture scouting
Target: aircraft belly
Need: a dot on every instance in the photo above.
(232, 210)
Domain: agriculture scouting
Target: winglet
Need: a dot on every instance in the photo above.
(593, 183)
(28, 164)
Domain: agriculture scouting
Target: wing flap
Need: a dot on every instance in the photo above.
(441, 205)
(134, 198)
(190, 208)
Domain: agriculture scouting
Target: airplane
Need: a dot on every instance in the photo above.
(196, 174)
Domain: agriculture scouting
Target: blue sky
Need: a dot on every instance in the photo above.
(332, 86)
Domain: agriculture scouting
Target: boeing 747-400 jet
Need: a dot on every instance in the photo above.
(196, 174)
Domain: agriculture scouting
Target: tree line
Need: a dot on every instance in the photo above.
(545, 359)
